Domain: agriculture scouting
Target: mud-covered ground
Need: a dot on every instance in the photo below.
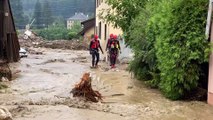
(41, 91)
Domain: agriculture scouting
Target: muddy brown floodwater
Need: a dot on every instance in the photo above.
(41, 91)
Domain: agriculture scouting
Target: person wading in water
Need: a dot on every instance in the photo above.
(94, 51)
(114, 49)
(111, 37)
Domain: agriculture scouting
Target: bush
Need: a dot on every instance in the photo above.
(181, 45)
(72, 35)
(59, 31)
(168, 39)
(141, 40)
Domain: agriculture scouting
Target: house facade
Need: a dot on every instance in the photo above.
(210, 82)
(78, 17)
(102, 28)
(209, 34)
(88, 29)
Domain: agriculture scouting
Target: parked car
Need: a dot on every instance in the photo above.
(22, 53)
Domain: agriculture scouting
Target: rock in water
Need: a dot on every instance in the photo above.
(5, 114)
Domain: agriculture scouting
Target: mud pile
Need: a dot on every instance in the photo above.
(32, 41)
(65, 44)
(37, 41)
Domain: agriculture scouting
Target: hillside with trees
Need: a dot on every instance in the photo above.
(48, 11)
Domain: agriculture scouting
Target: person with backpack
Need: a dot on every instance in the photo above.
(94, 51)
(111, 37)
(108, 47)
(114, 49)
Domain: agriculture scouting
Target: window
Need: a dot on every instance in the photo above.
(96, 30)
(97, 3)
(105, 32)
(99, 30)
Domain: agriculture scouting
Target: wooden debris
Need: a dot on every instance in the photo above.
(84, 89)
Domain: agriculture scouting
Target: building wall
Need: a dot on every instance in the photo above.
(69, 24)
(210, 83)
(103, 29)
(88, 34)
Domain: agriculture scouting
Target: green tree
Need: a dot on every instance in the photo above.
(38, 15)
(141, 40)
(168, 39)
(122, 13)
(47, 14)
(59, 20)
(65, 8)
(73, 32)
(76, 26)
(20, 19)
(59, 31)
(181, 45)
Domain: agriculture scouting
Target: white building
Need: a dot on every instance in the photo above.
(103, 29)
(78, 17)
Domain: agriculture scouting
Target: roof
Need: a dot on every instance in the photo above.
(88, 24)
(88, 21)
(79, 16)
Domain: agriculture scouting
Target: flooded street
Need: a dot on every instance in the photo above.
(41, 91)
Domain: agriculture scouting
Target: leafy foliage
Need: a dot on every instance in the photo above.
(46, 11)
(141, 40)
(168, 39)
(18, 14)
(42, 15)
(47, 14)
(122, 13)
(38, 16)
(181, 45)
(59, 31)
